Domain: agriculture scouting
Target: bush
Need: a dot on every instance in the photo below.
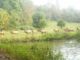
(39, 20)
(61, 24)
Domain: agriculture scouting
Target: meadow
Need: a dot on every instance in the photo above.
(50, 34)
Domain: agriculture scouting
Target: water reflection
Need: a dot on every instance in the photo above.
(71, 50)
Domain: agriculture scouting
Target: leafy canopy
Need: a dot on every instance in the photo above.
(39, 20)
(61, 24)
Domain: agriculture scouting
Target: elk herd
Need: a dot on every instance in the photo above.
(24, 31)
(29, 31)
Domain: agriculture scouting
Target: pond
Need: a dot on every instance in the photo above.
(68, 49)
(71, 50)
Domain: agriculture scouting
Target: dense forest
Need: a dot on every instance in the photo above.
(21, 14)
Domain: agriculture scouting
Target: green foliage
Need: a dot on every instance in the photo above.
(28, 52)
(61, 24)
(39, 20)
(9, 12)
(4, 19)
(52, 13)
(23, 37)
(27, 12)
(77, 36)
(19, 14)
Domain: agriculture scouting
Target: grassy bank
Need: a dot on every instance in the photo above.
(28, 52)
(23, 37)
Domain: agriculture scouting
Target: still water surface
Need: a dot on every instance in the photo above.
(69, 49)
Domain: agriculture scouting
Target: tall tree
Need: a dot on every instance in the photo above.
(4, 19)
(27, 11)
(13, 9)
(61, 24)
(39, 20)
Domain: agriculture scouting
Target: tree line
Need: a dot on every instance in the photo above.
(23, 14)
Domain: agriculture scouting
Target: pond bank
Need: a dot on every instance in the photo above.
(22, 37)
(30, 51)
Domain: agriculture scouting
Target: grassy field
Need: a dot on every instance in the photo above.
(53, 25)
(37, 36)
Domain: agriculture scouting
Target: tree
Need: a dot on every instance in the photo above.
(39, 20)
(4, 19)
(27, 11)
(61, 24)
(12, 8)
(20, 12)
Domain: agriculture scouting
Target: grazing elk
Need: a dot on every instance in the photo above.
(28, 31)
(42, 31)
(68, 30)
(14, 32)
(34, 31)
(2, 32)
(56, 30)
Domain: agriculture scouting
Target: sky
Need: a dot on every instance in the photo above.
(62, 3)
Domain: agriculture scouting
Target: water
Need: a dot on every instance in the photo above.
(70, 50)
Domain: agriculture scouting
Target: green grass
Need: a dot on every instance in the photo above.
(53, 25)
(29, 52)
(50, 35)
(23, 37)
